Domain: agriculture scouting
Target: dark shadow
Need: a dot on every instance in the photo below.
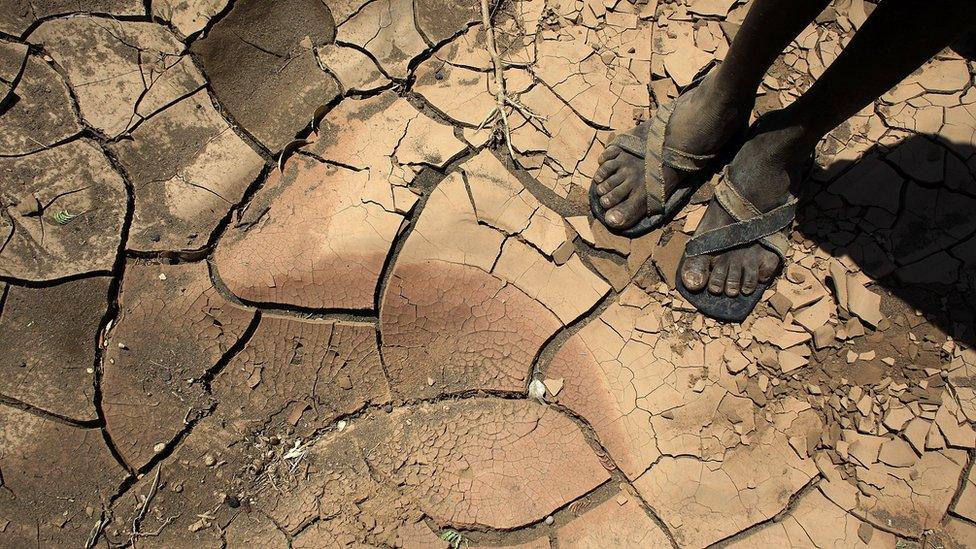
(906, 215)
(966, 45)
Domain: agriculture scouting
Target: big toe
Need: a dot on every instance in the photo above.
(695, 272)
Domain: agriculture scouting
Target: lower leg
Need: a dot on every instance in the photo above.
(769, 26)
(711, 114)
(898, 37)
(895, 40)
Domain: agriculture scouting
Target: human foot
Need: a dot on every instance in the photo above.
(766, 170)
(704, 120)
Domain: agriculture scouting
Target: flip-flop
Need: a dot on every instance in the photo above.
(656, 155)
(770, 229)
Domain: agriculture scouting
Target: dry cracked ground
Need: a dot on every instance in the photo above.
(265, 282)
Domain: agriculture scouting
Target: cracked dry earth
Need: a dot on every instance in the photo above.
(213, 334)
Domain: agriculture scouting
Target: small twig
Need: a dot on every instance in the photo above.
(158, 531)
(501, 97)
(97, 530)
(145, 505)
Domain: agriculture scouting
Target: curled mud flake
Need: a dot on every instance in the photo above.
(260, 59)
(329, 369)
(168, 335)
(77, 178)
(51, 473)
(120, 71)
(47, 345)
(188, 168)
(618, 522)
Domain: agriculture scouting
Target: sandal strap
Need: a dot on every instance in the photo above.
(751, 225)
(658, 155)
(685, 161)
(654, 158)
(630, 143)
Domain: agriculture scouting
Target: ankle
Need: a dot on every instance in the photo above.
(790, 138)
(725, 98)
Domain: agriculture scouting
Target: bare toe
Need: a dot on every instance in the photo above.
(610, 183)
(720, 272)
(607, 169)
(627, 212)
(615, 196)
(694, 272)
(733, 281)
(750, 274)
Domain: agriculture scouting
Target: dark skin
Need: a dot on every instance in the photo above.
(898, 37)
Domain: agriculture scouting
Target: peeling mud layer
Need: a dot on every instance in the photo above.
(266, 281)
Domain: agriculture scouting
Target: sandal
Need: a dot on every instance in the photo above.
(770, 229)
(656, 155)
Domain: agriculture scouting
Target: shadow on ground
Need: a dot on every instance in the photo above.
(906, 215)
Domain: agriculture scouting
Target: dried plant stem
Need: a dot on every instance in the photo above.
(501, 97)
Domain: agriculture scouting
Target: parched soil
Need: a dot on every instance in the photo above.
(268, 279)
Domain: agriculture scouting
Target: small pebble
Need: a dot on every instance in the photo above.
(209, 460)
(159, 447)
(550, 520)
